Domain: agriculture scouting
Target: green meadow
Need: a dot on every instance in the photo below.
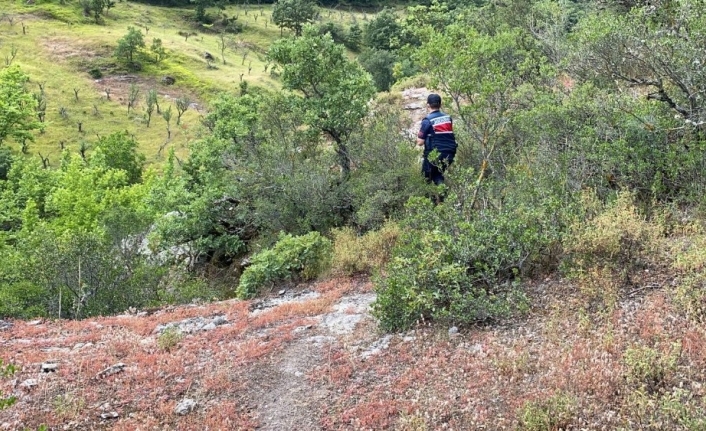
(57, 46)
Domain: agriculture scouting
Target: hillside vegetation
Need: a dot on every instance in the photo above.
(572, 216)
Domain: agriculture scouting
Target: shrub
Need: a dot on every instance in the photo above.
(353, 253)
(169, 338)
(448, 265)
(22, 300)
(649, 369)
(618, 238)
(554, 413)
(292, 257)
(6, 371)
(95, 73)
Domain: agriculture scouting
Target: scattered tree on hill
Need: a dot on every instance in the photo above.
(18, 106)
(158, 50)
(182, 104)
(95, 8)
(129, 45)
(167, 115)
(294, 14)
(381, 31)
(133, 93)
(151, 103)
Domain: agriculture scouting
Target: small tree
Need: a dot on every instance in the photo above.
(129, 45)
(17, 106)
(132, 97)
(120, 152)
(293, 14)
(158, 50)
(223, 44)
(182, 104)
(150, 102)
(167, 115)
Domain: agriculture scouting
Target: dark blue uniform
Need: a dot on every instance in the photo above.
(438, 133)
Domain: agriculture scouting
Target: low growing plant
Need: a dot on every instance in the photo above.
(353, 253)
(555, 413)
(292, 258)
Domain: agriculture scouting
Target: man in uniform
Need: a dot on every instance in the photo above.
(436, 133)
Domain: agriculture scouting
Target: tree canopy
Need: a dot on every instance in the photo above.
(17, 106)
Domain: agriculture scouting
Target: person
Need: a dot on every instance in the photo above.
(436, 133)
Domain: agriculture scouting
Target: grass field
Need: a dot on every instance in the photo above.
(56, 45)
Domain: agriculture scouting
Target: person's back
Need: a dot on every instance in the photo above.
(436, 133)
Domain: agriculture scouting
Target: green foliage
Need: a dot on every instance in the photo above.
(650, 369)
(95, 73)
(649, 48)
(292, 258)
(120, 151)
(618, 238)
(6, 371)
(169, 339)
(129, 45)
(382, 32)
(294, 14)
(380, 64)
(96, 8)
(368, 253)
(17, 106)
(555, 413)
(158, 50)
(673, 408)
(336, 90)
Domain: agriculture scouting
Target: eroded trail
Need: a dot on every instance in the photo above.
(290, 390)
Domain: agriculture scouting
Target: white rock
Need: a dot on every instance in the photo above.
(185, 406)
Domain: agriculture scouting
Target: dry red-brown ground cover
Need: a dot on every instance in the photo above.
(318, 362)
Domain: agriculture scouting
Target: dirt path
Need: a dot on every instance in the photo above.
(286, 394)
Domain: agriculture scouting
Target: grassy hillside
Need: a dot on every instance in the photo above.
(57, 46)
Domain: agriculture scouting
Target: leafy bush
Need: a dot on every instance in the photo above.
(379, 63)
(22, 299)
(95, 73)
(618, 237)
(6, 371)
(353, 253)
(555, 413)
(649, 369)
(453, 264)
(169, 338)
(292, 257)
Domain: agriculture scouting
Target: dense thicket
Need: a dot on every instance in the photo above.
(552, 101)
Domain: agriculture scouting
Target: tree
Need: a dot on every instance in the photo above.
(129, 45)
(17, 106)
(335, 90)
(379, 64)
(95, 8)
(158, 50)
(119, 151)
(294, 14)
(182, 104)
(381, 31)
(659, 50)
(150, 103)
(133, 93)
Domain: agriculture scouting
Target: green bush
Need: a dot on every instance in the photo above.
(458, 265)
(22, 300)
(368, 253)
(554, 413)
(6, 371)
(615, 236)
(292, 257)
(95, 73)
